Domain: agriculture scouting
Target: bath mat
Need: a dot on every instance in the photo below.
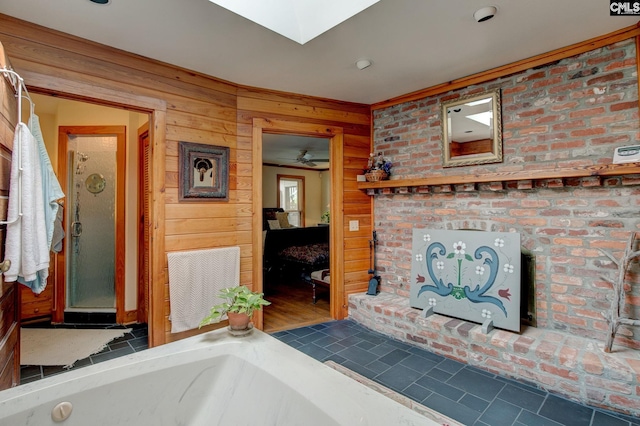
(407, 402)
(63, 346)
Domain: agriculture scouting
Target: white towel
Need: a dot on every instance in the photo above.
(51, 189)
(195, 279)
(26, 244)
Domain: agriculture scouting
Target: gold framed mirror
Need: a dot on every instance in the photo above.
(472, 130)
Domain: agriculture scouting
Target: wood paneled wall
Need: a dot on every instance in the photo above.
(187, 106)
(9, 295)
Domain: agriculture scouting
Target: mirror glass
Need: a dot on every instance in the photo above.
(472, 130)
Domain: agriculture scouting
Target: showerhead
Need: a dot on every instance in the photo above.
(81, 157)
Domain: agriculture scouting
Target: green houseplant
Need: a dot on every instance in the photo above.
(325, 217)
(239, 305)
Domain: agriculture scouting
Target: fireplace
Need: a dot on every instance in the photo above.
(555, 188)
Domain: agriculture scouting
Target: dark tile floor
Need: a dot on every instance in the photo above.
(466, 394)
(134, 341)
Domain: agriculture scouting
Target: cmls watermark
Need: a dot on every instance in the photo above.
(624, 8)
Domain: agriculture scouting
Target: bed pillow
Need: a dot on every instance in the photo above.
(274, 224)
(283, 218)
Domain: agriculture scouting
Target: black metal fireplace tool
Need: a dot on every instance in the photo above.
(374, 282)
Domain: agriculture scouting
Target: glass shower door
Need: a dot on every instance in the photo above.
(91, 217)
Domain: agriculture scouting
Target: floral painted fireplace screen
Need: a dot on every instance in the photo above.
(471, 275)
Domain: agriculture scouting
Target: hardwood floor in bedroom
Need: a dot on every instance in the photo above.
(292, 306)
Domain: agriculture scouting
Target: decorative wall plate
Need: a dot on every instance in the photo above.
(471, 275)
(95, 183)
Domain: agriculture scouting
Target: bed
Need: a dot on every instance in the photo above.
(291, 252)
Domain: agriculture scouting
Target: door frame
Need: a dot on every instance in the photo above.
(336, 231)
(84, 91)
(120, 246)
(144, 231)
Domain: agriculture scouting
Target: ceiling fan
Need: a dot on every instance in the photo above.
(305, 158)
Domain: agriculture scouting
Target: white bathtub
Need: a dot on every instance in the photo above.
(210, 379)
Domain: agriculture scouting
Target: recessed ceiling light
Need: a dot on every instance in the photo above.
(363, 63)
(485, 13)
(100, 1)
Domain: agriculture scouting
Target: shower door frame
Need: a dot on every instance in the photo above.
(119, 270)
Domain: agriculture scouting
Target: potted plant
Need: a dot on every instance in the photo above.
(239, 305)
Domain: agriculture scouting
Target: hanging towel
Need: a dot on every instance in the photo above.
(51, 190)
(58, 232)
(195, 279)
(26, 243)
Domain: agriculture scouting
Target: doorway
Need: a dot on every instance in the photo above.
(94, 150)
(296, 178)
(91, 164)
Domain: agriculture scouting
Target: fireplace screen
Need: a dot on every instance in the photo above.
(471, 275)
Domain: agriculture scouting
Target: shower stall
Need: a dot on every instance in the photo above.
(90, 243)
(90, 269)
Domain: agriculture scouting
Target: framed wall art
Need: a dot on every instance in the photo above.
(203, 172)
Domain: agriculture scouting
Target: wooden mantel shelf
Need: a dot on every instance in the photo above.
(601, 170)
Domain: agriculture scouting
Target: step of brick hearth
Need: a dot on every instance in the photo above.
(553, 360)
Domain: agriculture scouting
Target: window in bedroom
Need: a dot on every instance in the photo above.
(291, 198)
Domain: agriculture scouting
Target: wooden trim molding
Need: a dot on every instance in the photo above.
(256, 222)
(514, 67)
(157, 255)
(339, 307)
(130, 317)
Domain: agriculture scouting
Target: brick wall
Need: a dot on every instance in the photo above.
(570, 113)
(566, 114)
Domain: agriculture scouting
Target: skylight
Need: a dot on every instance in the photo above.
(482, 117)
(298, 20)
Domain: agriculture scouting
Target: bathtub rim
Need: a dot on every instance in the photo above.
(300, 370)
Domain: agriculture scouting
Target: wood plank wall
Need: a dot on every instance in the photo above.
(9, 297)
(188, 106)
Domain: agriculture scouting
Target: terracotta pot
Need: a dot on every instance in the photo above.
(238, 321)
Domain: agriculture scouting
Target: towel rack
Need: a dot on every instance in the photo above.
(21, 92)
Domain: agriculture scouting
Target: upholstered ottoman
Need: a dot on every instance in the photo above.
(320, 277)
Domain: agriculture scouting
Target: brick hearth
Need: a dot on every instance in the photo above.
(558, 362)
